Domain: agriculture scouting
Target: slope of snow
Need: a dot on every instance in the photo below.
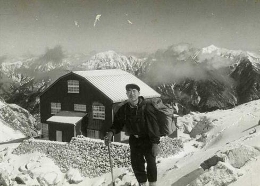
(7, 133)
(222, 51)
(228, 57)
(209, 49)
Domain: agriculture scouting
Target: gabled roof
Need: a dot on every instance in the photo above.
(112, 83)
(67, 117)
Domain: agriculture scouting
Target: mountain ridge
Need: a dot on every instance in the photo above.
(179, 69)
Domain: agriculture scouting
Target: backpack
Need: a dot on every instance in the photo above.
(165, 117)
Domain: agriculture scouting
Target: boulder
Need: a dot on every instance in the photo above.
(212, 161)
(74, 176)
(22, 169)
(238, 156)
(119, 182)
(129, 179)
(21, 179)
(25, 179)
(49, 179)
(220, 174)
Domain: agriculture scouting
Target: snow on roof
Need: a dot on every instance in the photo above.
(67, 117)
(112, 83)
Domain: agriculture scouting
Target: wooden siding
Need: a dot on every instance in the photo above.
(67, 131)
(87, 95)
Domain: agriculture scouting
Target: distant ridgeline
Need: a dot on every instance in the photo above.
(198, 79)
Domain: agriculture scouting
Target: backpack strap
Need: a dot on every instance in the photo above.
(143, 112)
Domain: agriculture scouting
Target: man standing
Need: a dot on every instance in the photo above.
(138, 119)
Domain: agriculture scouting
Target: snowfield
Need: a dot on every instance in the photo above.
(226, 143)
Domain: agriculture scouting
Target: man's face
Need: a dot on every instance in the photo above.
(132, 94)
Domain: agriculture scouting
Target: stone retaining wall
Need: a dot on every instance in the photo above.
(90, 156)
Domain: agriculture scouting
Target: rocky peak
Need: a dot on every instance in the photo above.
(247, 77)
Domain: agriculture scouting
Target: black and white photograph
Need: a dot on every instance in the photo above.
(130, 92)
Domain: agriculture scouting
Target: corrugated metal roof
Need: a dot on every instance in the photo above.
(67, 117)
(112, 83)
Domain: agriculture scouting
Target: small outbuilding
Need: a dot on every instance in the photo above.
(65, 124)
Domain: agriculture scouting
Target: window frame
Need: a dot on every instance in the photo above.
(99, 112)
(73, 86)
(80, 107)
(55, 107)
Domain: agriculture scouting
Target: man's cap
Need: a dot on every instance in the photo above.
(132, 86)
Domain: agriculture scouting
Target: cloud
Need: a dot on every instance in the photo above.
(55, 55)
(214, 61)
(175, 71)
(177, 63)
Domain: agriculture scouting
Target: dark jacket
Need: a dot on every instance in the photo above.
(140, 120)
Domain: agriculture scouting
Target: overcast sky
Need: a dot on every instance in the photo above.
(30, 26)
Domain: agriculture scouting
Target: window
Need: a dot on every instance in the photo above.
(80, 107)
(73, 86)
(98, 111)
(55, 108)
(93, 134)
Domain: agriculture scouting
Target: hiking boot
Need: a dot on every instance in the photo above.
(142, 184)
(152, 183)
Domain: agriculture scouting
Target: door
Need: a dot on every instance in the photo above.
(58, 135)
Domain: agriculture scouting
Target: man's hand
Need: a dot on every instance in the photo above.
(108, 137)
(155, 149)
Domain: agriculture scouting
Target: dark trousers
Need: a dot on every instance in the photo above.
(141, 152)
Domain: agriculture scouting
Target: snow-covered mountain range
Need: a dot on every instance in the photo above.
(200, 79)
(111, 59)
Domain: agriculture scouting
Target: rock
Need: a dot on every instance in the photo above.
(4, 153)
(257, 148)
(202, 126)
(129, 179)
(119, 182)
(32, 165)
(252, 131)
(187, 128)
(49, 179)
(240, 155)
(5, 180)
(22, 169)
(212, 161)
(1, 157)
(21, 179)
(74, 176)
(218, 175)
(25, 179)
